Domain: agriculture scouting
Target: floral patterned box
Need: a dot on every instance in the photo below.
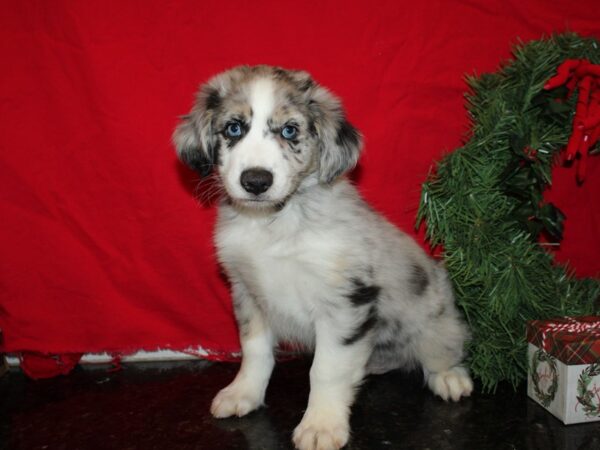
(564, 367)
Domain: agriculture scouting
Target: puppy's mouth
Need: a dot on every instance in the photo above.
(258, 203)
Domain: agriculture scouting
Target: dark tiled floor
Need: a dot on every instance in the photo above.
(165, 406)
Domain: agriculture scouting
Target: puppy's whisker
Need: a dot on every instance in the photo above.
(211, 196)
(209, 189)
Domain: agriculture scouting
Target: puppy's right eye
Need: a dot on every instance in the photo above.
(234, 129)
(289, 132)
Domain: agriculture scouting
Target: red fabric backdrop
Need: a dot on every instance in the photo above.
(104, 246)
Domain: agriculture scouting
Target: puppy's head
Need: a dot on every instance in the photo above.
(267, 131)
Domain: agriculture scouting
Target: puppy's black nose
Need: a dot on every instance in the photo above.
(256, 181)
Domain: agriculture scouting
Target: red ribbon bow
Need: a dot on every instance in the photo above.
(581, 74)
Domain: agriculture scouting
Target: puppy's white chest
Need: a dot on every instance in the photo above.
(287, 274)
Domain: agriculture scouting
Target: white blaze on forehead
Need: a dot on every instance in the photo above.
(259, 149)
(262, 102)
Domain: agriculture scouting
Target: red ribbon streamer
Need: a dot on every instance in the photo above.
(585, 76)
(570, 325)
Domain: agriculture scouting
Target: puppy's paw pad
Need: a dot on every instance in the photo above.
(234, 401)
(451, 384)
(315, 436)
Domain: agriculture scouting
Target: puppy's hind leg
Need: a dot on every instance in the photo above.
(438, 345)
(439, 349)
(247, 391)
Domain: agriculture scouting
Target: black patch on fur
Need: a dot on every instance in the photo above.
(292, 99)
(312, 129)
(292, 143)
(363, 294)
(418, 279)
(280, 73)
(213, 151)
(305, 85)
(198, 162)
(301, 84)
(347, 142)
(362, 330)
(347, 135)
(213, 99)
(201, 162)
(231, 141)
(279, 206)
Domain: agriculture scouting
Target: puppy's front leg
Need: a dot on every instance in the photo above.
(247, 391)
(338, 367)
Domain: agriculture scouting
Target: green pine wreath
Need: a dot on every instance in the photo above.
(483, 204)
(585, 396)
(549, 395)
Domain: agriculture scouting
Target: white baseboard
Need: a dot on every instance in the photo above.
(190, 353)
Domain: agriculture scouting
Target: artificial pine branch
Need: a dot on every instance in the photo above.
(483, 204)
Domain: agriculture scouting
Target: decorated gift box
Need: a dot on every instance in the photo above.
(564, 367)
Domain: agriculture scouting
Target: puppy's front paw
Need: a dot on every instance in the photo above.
(237, 399)
(451, 384)
(320, 432)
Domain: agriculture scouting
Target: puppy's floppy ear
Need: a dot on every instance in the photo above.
(195, 138)
(340, 143)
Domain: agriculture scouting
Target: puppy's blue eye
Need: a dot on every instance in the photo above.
(234, 129)
(289, 132)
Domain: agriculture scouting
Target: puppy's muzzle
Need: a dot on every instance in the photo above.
(256, 181)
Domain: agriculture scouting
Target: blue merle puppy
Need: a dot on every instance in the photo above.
(308, 260)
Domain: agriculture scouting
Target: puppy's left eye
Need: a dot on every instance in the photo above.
(233, 129)
(289, 132)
